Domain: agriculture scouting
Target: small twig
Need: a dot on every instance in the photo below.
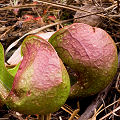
(99, 108)
(104, 105)
(117, 83)
(18, 116)
(118, 6)
(74, 114)
(35, 5)
(109, 18)
(95, 113)
(94, 116)
(114, 106)
(95, 104)
(4, 118)
(11, 2)
(57, 5)
(42, 28)
(42, 117)
(114, 16)
(47, 117)
(115, 110)
(60, 117)
(108, 106)
(118, 43)
(69, 110)
(2, 29)
(8, 30)
(66, 110)
(53, 24)
(69, 7)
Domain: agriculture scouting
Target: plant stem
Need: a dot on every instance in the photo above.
(45, 117)
(42, 117)
(48, 116)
